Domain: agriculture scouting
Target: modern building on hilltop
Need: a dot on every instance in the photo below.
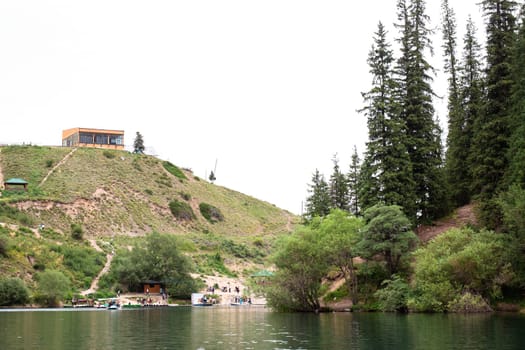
(99, 138)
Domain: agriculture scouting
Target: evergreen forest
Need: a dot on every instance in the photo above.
(361, 224)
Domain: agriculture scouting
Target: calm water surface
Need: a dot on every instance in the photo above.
(254, 328)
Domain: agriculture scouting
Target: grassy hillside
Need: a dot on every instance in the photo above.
(118, 197)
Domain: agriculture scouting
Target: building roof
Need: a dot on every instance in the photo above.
(16, 181)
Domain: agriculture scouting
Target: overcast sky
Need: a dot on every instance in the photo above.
(269, 88)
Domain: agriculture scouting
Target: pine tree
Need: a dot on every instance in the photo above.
(338, 187)
(516, 154)
(471, 95)
(458, 175)
(422, 132)
(138, 144)
(318, 203)
(386, 173)
(492, 129)
(353, 183)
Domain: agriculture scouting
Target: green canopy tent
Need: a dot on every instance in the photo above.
(15, 184)
(262, 273)
(262, 276)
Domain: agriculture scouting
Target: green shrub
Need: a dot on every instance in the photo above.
(83, 262)
(4, 246)
(49, 163)
(77, 231)
(52, 287)
(109, 154)
(394, 296)
(148, 191)
(239, 250)
(211, 213)
(258, 242)
(186, 196)
(336, 295)
(216, 263)
(13, 291)
(174, 170)
(181, 210)
(469, 303)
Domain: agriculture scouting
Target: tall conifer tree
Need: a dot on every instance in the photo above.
(353, 183)
(457, 171)
(338, 187)
(386, 173)
(422, 132)
(516, 171)
(471, 82)
(492, 129)
(318, 203)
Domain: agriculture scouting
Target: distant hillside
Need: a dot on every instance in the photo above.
(117, 197)
(118, 193)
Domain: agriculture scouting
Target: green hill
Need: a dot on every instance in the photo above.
(115, 198)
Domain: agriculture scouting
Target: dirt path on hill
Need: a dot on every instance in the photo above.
(461, 217)
(289, 223)
(66, 157)
(94, 284)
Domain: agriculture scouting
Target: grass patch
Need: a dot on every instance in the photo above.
(210, 263)
(11, 214)
(174, 170)
(109, 154)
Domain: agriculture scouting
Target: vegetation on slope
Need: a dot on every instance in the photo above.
(118, 199)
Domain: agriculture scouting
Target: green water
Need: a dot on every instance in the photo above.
(254, 328)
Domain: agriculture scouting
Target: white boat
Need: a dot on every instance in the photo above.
(199, 299)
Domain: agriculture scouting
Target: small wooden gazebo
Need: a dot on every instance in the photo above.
(15, 184)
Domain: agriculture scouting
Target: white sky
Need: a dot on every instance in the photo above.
(269, 88)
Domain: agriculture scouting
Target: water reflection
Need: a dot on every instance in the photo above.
(254, 328)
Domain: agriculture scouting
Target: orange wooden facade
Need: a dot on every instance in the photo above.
(152, 287)
(98, 138)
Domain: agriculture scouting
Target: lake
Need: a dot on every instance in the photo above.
(253, 328)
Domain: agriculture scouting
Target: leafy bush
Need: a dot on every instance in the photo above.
(394, 296)
(186, 196)
(148, 191)
(239, 250)
(174, 170)
(460, 260)
(211, 213)
(512, 204)
(77, 231)
(83, 262)
(13, 291)
(181, 210)
(159, 259)
(52, 287)
(49, 163)
(469, 303)
(109, 154)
